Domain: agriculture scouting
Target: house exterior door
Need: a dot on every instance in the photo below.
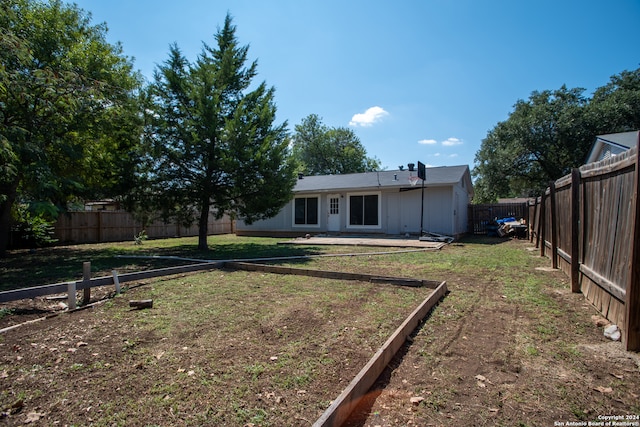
(333, 214)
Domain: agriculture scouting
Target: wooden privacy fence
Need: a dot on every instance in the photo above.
(117, 226)
(482, 216)
(588, 224)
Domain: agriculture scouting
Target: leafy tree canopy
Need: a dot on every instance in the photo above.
(68, 108)
(210, 142)
(551, 133)
(320, 150)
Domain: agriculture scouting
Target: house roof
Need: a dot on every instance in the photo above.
(435, 176)
(618, 141)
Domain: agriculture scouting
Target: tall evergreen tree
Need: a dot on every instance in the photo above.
(212, 143)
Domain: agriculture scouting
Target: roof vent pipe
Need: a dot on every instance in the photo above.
(300, 176)
(411, 167)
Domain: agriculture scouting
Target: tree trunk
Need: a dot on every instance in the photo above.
(203, 224)
(5, 214)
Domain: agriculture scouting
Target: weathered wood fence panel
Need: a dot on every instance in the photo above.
(115, 226)
(534, 220)
(586, 224)
(562, 205)
(483, 215)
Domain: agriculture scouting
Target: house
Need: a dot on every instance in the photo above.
(102, 205)
(612, 144)
(382, 202)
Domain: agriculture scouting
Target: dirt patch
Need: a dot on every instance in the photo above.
(218, 348)
(493, 361)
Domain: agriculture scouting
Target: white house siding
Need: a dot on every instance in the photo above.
(438, 207)
(461, 200)
(446, 195)
(283, 221)
(612, 144)
(399, 214)
(409, 211)
(390, 210)
(404, 211)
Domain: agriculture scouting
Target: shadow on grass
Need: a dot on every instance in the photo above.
(22, 269)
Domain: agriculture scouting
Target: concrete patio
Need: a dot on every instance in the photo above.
(396, 242)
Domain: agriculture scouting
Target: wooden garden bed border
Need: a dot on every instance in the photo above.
(343, 405)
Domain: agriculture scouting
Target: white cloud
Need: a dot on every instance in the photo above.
(427, 141)
(436, 154)
(369, 117)
(451, 142)
(453, 155)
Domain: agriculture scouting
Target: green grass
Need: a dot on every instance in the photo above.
(4, 311)
(300, 321)
(64, 263)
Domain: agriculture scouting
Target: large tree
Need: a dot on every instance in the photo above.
(615, 107)
(321, 150)
(68, 111)
(212, 143)
(550, 133)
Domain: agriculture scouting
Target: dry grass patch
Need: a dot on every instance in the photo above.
(509, 346)
(218, 348)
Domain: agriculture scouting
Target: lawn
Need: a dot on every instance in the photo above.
(510, 345)
(63, 263)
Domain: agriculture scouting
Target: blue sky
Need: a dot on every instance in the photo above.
(419, 80)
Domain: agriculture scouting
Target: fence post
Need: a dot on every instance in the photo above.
(532, 220)
(536, 218)
(575, 230)
(99, 233)
(86, 281)
(632, 304)
(554, 226)
(543, 222)
(71, 295)
(116, 281)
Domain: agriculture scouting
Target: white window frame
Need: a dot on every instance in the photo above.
(368, 193)
(293, 211)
